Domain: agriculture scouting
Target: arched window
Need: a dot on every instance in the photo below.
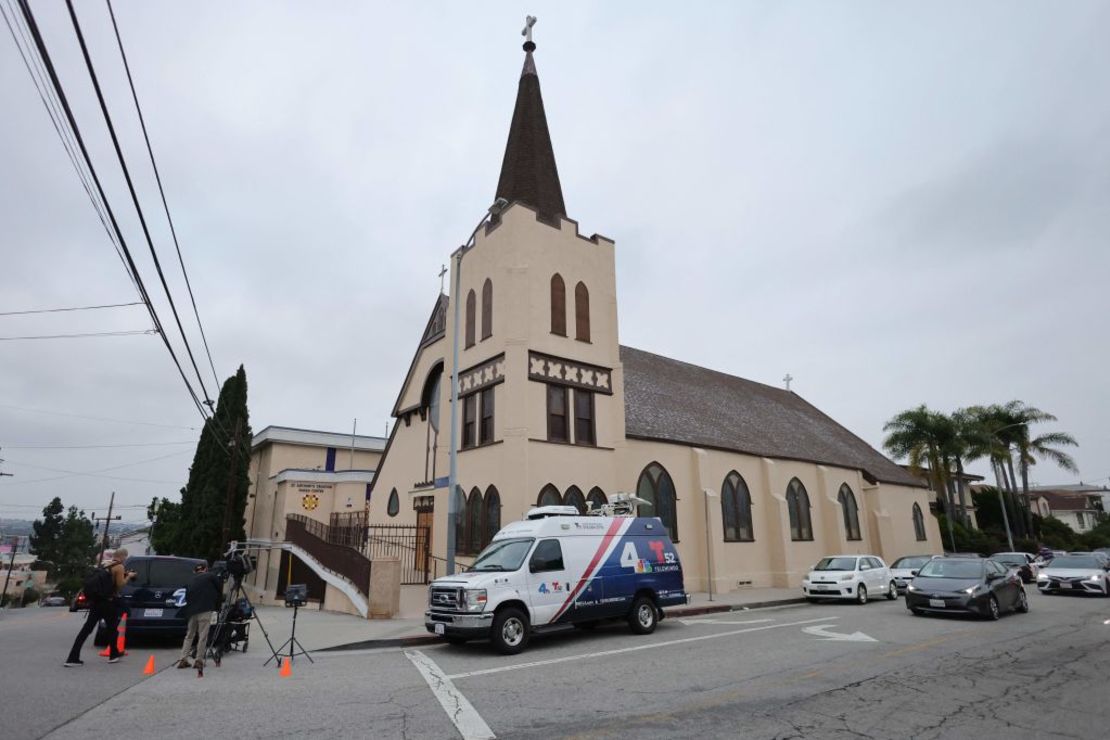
(492, 516)
(573, 497)
(549, 496)
(487, 309)
(558, 305)
(797, 503)
(474, 522)
(850, 511)
(460, 520)
(918, 523)
(394, 504)
(470, 319)
(736, 509)
(430, 397)
(582, 312)
(655, 486)
(596, 497)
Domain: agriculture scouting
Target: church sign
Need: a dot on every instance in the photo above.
(550, 369)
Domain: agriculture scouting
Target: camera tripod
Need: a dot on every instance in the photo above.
(294, 645)
(221, 631)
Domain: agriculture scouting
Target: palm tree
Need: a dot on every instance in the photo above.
(986, 428)
(925, 439)
(962, 441)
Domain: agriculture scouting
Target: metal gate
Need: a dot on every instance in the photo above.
(412, 544)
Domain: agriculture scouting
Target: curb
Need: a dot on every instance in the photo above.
(672, 613)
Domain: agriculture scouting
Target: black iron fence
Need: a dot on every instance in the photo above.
(412, 544)
(348, 529)
(314, 538)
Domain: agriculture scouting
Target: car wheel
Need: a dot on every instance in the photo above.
(861, 594)
(1022, 602)
(643, 618)
(1106, 588)
(993, 612)
(892, 591)
(917, 612)
(510, 631)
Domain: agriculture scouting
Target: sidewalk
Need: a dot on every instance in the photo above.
(319, 630)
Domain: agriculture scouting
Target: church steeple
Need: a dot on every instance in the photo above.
(528, 171)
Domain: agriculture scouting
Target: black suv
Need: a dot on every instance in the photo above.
(155, 597)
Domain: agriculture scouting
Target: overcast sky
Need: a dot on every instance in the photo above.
(895, 203)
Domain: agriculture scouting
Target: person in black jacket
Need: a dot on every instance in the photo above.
(201, 599)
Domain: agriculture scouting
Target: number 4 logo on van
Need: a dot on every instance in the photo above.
(631, 559)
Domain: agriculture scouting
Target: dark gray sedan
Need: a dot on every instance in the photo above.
(964, 585)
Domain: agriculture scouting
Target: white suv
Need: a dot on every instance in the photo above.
(849, 577)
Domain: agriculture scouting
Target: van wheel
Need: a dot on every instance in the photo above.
(644, 618)
(510, 631)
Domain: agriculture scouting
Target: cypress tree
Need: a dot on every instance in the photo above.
(194, 528)
(46, 535)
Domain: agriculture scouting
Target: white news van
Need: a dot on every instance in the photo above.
(559, 568)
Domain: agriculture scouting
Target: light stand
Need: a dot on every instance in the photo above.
(296, 596)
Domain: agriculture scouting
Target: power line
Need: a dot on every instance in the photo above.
(96, 447)
(72, 308)
(96, 418)
(161, 191)
(44, 53)
(83, 335)
(131, 187)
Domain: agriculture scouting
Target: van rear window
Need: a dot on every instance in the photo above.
(162, 573)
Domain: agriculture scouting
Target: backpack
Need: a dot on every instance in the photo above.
(98, 585)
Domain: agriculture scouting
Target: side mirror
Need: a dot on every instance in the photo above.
(913, 573)
(992, 577)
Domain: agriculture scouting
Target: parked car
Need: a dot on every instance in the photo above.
(155, 597)
(558, 568)
(969, 585)
(904, 569)
(1021, 562)
(1075, 574)
(80, 602)
(54, 599)
(849, 577)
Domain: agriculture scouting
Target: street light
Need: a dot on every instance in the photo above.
(498, 206)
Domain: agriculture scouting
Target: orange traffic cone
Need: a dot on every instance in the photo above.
(149, 670)
(121, 633)
(286, 668)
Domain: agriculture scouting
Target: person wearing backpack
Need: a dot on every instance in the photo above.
(102, 588)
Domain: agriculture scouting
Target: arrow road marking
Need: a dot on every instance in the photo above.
(821, 630)
(724, 621)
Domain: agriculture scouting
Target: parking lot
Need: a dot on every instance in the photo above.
(827, 671)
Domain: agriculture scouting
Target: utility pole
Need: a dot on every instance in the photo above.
(11, 564)
(231, 475)
(107, 521)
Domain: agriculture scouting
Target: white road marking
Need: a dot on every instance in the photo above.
(462, 713)
(645, 646)
(724, 621)
(820, 630)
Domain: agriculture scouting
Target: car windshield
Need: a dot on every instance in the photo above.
(505, 555)
(836, 564)
(162, 573)
(1010, 558)
(912, 562)
(952, 568)
(1082, 562)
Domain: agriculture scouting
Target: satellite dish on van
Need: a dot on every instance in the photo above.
(542, 512)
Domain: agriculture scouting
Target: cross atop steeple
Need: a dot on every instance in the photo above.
(786, 379)
(529, 21)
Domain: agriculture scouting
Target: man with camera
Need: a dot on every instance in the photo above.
(102, 589)
(202, 597)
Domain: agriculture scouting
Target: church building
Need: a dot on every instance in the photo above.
(753, 483)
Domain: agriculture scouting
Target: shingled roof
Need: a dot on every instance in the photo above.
(528, 171)
(672, 401)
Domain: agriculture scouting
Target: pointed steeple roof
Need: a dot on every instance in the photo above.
(528, 171)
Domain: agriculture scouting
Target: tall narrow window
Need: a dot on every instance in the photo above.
(491, 517)
(487, 309)
(549, 496)
(394, 504)
(474, 522)
(460, 520)
(850, 512)
(582, 312)
(736, 509)
(656, 487)
(573, 497)
(485, 429)
(470, 319)
(584, 418)
(558, 305)
(596, 498)
(797, 505)
(470, 416)
(918, 523)
(557, 430)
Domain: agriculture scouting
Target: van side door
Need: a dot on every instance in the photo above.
(548, 580)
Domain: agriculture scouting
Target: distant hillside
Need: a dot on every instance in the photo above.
(15, 526)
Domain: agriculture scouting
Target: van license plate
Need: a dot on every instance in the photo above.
(439, 628)
(152, 612)
(937, 603)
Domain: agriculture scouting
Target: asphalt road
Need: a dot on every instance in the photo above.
(777, 673)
